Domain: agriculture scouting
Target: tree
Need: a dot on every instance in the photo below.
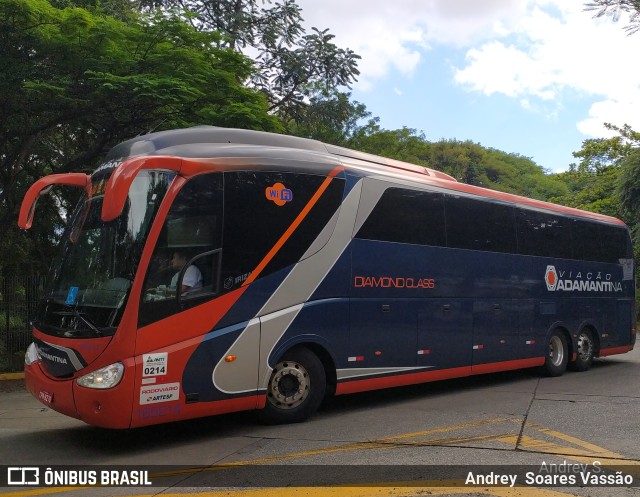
(332, 118)
(615, 8)
(593, 191)
(629, 185)
(466, 161)
(594, 182)
(122, 10)
(599, 153)
(404, 144)
(291, 63)
(74, 83)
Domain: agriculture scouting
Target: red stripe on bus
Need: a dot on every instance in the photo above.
(400, 380)
(496, 367)
(364, 385)
(616, 350)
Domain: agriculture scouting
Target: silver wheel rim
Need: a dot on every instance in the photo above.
(556, 351)
(289, 385)
(585, 346)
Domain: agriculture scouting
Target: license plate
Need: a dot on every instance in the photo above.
(45, 397)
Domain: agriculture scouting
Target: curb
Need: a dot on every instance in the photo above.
(11, 376)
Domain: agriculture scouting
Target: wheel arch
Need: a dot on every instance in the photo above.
(562, 327)
(590, 326)
(319, 347)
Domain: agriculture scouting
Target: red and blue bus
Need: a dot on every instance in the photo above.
(211, 270)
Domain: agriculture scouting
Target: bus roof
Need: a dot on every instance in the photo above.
(211, 141)
(159, 142)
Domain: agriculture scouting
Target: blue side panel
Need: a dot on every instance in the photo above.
(337, 281)
(254, 298)
(472, 307)
(444, 333)
(383, 332)
(324, 322)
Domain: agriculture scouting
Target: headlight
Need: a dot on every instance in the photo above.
(31, 355)
(103, 378)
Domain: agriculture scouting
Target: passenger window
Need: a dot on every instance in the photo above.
(586, 240)
(406, 216)
(185, 266)
(480, 225)
(544, 234)
(616, 243)
(271, 220)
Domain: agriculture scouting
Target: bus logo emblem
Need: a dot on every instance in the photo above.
(279, 194)
(551, 278)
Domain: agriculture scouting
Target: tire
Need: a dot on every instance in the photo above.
(296, 388)
(555, 363)
(585, 350)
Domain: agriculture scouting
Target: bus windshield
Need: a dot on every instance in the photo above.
(90, 281)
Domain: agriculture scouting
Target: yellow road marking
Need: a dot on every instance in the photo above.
(11, 376)
(581, 451)
(393, 490)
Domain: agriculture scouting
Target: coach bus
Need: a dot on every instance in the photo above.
(211, 270)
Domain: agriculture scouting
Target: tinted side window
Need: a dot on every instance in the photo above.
(186, 260)
(615, 243)
(544, 234)
(406, 216)
(480, 225)
(587, 244)
(271, 219)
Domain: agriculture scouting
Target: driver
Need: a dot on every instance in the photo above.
(192, 277)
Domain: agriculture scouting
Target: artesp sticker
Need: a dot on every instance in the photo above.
(153, 394)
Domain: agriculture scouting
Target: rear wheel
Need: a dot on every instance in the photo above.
(585, 350)
(296, 387)
(555, 363)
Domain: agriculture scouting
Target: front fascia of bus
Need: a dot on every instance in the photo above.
(89, 286)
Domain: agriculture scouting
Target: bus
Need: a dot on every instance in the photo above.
(211, 270)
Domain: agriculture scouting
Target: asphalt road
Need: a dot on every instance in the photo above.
(435, 439)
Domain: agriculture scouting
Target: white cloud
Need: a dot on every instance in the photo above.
(546, 55)
(535, 51)
(612, 111)
(393, 36)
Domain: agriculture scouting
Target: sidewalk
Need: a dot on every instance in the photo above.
(11, 382)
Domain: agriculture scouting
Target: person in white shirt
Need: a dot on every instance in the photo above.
(192, 277)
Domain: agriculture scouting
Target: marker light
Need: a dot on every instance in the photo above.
(31, 355)
(103, 378)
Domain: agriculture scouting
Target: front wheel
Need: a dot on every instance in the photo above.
(555, 363)
(296, 388)
(586, 349)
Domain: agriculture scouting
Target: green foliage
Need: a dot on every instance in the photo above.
(593, 191)
(332, 118)
(603, 180)
(292, 64)
(74, 82)
(629, 185)
(599, 153)
(466, 161)
(403, 144)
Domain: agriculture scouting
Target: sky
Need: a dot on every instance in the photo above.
(530, 77)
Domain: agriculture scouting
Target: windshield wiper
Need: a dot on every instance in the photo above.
(77, 314)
